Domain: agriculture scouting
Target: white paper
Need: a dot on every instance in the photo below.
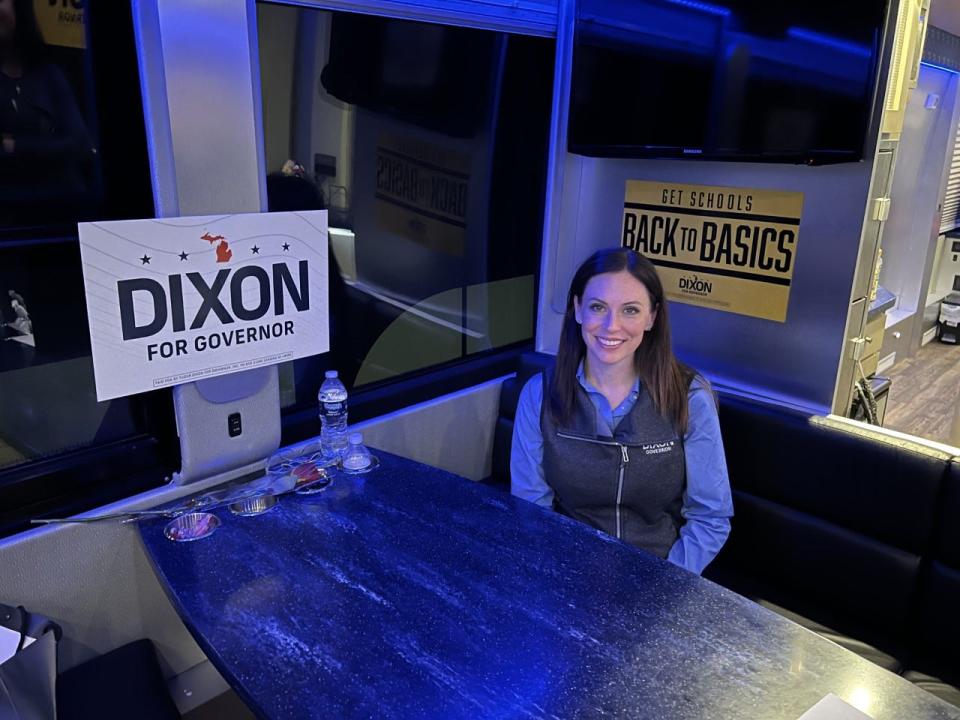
(174, 300)
(833, 708)
(9, 640)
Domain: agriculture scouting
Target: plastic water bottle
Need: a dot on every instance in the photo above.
(333, 413)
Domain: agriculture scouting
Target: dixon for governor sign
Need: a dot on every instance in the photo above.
(179, 299)
(731, 249)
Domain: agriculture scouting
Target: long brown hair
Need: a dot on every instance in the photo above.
(665, 378)
(27, 41)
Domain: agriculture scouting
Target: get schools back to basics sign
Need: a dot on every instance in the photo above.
(731, 249)
(179, 299)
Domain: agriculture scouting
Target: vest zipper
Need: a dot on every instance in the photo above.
(624, 459)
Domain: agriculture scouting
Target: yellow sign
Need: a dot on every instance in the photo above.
(731, 249)
(61, 22)
(422, 193)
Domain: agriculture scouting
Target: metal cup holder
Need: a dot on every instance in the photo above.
(253, 506)
(191, 526)
(312, 478)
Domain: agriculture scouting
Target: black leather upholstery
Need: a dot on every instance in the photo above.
(820, 569)
(124, 683)
(855, 533)
(866, 483)
(934, 685)
(500, 469)
(530, 364)
(939, 621)
(948, 525)
(938, 631)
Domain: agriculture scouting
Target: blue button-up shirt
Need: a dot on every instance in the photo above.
(707, 504)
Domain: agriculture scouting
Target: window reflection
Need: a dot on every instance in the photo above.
(46, 151)
(427, 144)
(72, 148)
(47, 396)
(20, 325)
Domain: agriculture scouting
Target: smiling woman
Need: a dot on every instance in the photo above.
(616, 311)
(628, 439)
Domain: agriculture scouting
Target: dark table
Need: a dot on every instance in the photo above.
(413, 593)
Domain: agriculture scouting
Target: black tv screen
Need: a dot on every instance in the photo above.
(434, 76)
(729, 80)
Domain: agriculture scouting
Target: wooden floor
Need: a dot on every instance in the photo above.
(925, 391)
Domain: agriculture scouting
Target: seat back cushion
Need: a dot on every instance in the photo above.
(884, 488)
(938, 631)
(530, 364)
(836, 576)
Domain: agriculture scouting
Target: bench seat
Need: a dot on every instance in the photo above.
(841, 528)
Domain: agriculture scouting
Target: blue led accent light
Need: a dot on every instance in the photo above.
(703, 7)
(941, 67)
(836, 43)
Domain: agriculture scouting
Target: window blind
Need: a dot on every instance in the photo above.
(950, 215)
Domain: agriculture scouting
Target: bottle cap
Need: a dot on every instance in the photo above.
(330, 374)
(356, 438)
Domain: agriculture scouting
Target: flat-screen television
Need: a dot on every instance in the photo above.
(434, 76)
(728, 79)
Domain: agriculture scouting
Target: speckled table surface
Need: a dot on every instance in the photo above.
(413, 593)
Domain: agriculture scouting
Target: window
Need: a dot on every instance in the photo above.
(428, 145)
(73, 149)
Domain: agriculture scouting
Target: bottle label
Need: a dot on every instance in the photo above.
(334, 407)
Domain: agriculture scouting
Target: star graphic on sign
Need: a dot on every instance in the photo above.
(145, 259)
(255, 250)
(286, 246)
(183, 255)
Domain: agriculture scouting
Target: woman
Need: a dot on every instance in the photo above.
(627, 438)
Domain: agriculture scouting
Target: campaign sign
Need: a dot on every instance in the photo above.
(179, 299)
(726, 248)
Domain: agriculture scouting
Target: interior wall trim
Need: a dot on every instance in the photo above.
(526, 17)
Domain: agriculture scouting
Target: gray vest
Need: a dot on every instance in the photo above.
(629, 485)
